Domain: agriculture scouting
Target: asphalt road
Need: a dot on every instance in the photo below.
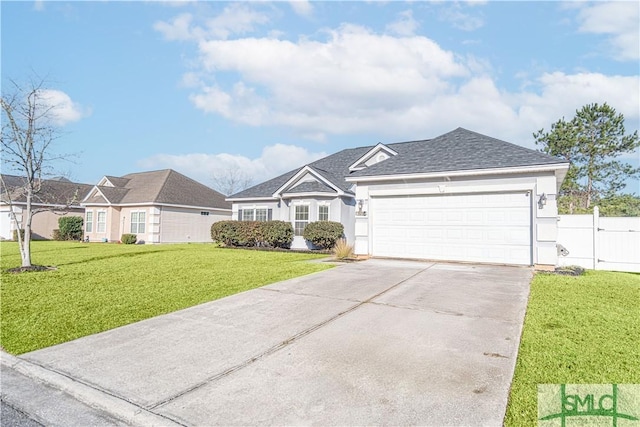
(9, 417)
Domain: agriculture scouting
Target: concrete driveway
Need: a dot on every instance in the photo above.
(380, 342)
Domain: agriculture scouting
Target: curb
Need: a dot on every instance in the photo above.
(115, 406)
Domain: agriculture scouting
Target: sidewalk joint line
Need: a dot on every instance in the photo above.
(281, 345)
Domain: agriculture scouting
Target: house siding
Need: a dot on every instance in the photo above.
(42, 225)
(112, 227)
(179, 225)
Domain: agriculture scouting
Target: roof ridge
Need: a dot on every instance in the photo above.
(164, 182)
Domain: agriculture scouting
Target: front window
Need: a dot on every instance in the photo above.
(137, 222)
(323, 213)
(247, 214)
(88, 223)
(259, 214)
(102, 222)
(301, 219)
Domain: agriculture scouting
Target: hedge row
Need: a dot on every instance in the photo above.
(323, 234)
(273, 234)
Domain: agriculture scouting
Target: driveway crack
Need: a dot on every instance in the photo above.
(280, 345)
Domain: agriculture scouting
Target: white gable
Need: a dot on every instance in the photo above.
(377, 154)
(104, 182)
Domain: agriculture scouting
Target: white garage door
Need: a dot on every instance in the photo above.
(487, 227)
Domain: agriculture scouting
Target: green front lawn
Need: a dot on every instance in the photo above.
(103, 286)
(578, 330)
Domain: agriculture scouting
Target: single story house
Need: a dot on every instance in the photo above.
(161, 206)
(56, 197)
(461, 196)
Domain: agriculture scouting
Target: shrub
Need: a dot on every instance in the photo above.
(69, 228)
(55, 235)
(128, 239)
(343, 250)
(225, 232)
(15, 234)
(277, 234)
(323, 234)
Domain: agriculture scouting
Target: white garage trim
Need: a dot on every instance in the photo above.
(471, 227)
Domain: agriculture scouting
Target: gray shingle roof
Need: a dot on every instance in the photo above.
(459, 149)
(161, 187)
(52, 192)
(311, 187)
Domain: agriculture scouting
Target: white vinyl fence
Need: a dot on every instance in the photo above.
(599, 243)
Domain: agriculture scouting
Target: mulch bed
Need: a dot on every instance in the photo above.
(32, 269)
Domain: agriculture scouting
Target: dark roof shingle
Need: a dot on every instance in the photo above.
(52, 191)
(457, 150)
(162, 187)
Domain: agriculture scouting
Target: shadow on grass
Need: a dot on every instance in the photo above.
(120, 255)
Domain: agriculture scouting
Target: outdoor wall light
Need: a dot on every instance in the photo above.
(542, 201)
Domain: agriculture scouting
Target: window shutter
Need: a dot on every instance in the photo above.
(239, 214)
(269, 214)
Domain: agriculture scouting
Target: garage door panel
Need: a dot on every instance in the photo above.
(472, 227)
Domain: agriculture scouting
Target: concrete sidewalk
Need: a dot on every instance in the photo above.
(375, 342)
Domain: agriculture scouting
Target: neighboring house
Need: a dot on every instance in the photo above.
(461, 196)
(158, 207)
(57, 197)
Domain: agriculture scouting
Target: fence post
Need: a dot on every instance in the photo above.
(596, 243)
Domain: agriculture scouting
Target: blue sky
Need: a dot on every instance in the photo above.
(265, 87)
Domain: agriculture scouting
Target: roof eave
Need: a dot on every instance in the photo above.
(250, 199)
(469, 172)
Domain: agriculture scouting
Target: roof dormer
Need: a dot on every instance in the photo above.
(377, 154)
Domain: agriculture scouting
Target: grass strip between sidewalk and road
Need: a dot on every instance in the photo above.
(99, 286)
(577, 330)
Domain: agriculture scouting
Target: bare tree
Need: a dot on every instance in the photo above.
(230, 180)
(28, 132)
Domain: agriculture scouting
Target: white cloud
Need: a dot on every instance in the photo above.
(62, 109)
(236, 18)
(275, 160)
(461, 20)
(620, 20)
(404, 25)
(356, 81)
(178, 29)
(302, 7)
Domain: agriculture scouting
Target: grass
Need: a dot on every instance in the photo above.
(578, 330)
(102, 286)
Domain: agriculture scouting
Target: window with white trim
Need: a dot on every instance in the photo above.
(261, 215)
(256, 214)
(301, 219)
(323, 212)
(101, 226)
(88, 222)
(138, 220)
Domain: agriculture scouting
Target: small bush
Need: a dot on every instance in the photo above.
(128, 239)
(225, 232)
(55, 235)
(343, 250)
(323, 234)
(277, 234)
(70, 228)
(15, 234)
